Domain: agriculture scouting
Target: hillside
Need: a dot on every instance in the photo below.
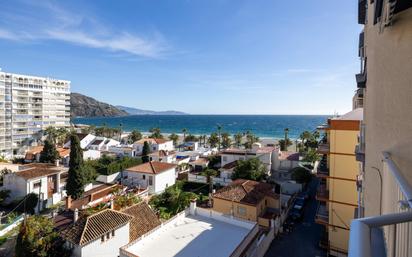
(135, 111)
(84, 106)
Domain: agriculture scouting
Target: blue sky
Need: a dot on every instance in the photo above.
(201, 57)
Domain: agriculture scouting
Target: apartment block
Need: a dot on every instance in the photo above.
(29, 104)
(337, 172)
(385, 144)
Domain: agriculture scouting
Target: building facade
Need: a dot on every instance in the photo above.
(337, 171)
(385, 148)
(29, 104)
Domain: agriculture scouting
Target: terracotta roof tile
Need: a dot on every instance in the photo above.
(38, 170)
(291, 156)
(246, 191)
(152, 167)
(144, 219)
(90, 228)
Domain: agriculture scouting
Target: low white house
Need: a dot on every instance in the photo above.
(156, 176)
(103, 144)
(266, 155)
(47, 181)
(163, 156)
(100, 234)
(85, 140)
(156, 144)
(286, 160)
(122, 150)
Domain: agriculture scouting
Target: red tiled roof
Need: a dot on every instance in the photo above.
(152, 167)
(246, 191)
(144, 220)
(291, 156)
(38, 170)
(230, 165)
(88, 229)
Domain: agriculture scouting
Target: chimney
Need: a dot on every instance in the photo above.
(75, 215)
(192, 209)
(68, 202)
(57, 163)
(111, 204)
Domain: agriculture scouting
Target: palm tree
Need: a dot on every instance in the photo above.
(184, 131)
(210, 173)
(219, 131)
(134, 136)
(226, 140)
(174, 138)
(238, 139)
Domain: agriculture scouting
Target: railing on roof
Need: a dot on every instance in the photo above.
(388, 234)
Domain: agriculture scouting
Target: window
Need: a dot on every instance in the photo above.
(224, 158)
(144, 177)
(102, 239)
(112, 233)
(150, 180)
(108, 235)
(37, 184)
(241, 211)
(241, 158)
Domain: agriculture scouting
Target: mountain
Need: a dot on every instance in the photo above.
(135, 111)
(84, 106)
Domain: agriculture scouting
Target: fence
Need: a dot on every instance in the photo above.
(11, 225)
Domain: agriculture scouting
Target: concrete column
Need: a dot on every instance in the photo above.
(192, 208)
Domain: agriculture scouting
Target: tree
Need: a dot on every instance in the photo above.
(311, 156)
(2, 173)
(301, 175)
(226, 140)
(61, 135)
(156, 133)
(30, 202)
(219, 131)
(252, 169)
(250, 140)
(145, 152)
(191, 138)
(238, 139)
(210, 173)
(76, 179)
(134, 136)
(174, 137)
(213, 140)
(51, 133)
(184, 131)
(37, 238)
(4, 194)
(49, 153)
(284, 146)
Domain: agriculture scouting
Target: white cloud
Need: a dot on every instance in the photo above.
(55, 23)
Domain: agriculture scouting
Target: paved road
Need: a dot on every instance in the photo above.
(303, 240)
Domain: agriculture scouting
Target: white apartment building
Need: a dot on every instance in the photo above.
(29, 104)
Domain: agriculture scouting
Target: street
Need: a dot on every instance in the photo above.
(304, 238)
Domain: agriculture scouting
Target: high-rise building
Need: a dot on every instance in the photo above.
(385, 146)
(29, 104)
(337, 172)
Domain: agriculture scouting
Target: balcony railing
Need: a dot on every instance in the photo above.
(322, 193)
(388, 234)
(322, 215)
(323, 148)
(361, 80)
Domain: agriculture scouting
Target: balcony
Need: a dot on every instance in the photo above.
(322, 215)
(362, 11)
(388, 234)
(322, 194)
(323, 148)
(361, 80)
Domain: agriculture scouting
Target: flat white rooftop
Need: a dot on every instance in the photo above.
(191, 236)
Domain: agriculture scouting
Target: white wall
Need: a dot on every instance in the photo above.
(91, 154)
(164, 180)
(108, 248)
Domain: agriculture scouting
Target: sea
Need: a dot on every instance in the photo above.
(264, 126)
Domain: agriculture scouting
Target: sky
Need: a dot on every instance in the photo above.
(196, 56)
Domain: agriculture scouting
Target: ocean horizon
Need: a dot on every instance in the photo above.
(264, 126)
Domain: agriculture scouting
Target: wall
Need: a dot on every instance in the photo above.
(109, 179)
(227, 207)
(164, 180)
(388, 116)
(108, 248)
